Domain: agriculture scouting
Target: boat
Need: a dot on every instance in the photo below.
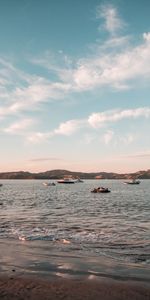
(66, 180)
(100, 190)
(49, 183)
(77, 179)
(133, 181)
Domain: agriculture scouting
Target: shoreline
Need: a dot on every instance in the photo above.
(41, 259)
(17, 288)
(36, 271)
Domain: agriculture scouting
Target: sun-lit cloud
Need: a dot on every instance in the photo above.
(29, 98)
(19, 127)
(20, 91)
(65, 129)
(103, 68)
(69, 127)
(127, 139)
(94, 122)
(39, 137)
(113, 69)
(36, 93)
(89, 138)
(146, 36)
(112, 21)
(92, 92)
(108, 136)
(97, 120)
(114, 64)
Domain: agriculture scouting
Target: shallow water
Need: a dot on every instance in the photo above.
(69, 220)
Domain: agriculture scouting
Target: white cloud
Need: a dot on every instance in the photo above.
(146, 36)
(97, 120)
(108, 136)
(114, 69)
(20, 91)
(66, 129)
(38, 137)
(83, 76)
(108, 66)
(19, 127)
(28, 98)
(69, 127)
(94, 121)
(115, 139)
(39, 92)
(89, 138)
(127, 139)
(3, 112)
(112, 22)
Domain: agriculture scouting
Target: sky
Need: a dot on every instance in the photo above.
(74, 85)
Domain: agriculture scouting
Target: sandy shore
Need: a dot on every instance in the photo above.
(17, 288)
(26, 274)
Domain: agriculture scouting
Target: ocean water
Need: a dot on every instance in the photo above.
(44, 223)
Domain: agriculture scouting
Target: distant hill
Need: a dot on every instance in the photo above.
(57, 174)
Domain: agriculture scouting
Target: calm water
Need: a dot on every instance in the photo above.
(71, 220)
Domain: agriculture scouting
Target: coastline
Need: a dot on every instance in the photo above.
(26, 275)
(45, 259)
(22, 288)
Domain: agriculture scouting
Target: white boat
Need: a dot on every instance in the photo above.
(78, 179)
(66, 180)
(49, 183)
(133, 181)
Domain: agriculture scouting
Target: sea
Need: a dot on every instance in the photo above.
(67, 231)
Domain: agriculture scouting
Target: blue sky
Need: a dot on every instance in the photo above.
(74, 85)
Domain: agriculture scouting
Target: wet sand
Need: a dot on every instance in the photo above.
(19, 288)
(32, 271)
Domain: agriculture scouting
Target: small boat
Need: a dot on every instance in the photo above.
(100, 190)
(49, 183)
(78, 179)
(132, 182)
(66, 180)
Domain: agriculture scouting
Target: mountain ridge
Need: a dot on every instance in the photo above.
(60, 173)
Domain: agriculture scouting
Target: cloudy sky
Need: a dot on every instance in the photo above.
(74, 85)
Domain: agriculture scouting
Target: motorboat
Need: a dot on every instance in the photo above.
(66, 180)
(133, 181)
(49, 183)
(100, 190)
(78, 179)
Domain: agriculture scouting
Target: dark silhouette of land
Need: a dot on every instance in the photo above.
(56, 174)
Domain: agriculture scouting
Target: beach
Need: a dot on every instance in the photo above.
(17, 288)
(25, 274)
(67, 243)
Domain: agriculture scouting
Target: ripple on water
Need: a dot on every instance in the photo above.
(114, 224)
